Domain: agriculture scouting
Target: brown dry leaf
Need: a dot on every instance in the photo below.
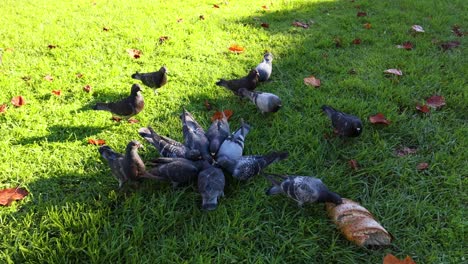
(361, 14)
(435, 101)
(87, 88)
(353, 164)
(215, 6)
(236, 48)
(417, 28)
(450, 45)
(133, 121)
(26, 78)
(50, 46)
(79, 75)
(406, 45)
(180, 20)
(300, 24)
(265, 25)
(394, 71)
(391, 259)
(379, 118)
(48, 78)
(367, 25)
(18, 101)
(207, 105)
(265, 7)
(356, 41)
(422, 108)
(3, 108)
(116, 118)
(357, 224)
(134, 53)
(401, 152)
(97, 142)
(422, 166)
(218, 115)
(7, 196)
(105, 29)
(57, 92)
(201, 17)
(312, 81)
(162, 39)
(456, 30)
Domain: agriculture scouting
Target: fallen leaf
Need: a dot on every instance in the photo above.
(105, 29)
(9, 49)
(236, 48)
(422, 166)
(7, 196)
(26, 78)
(353, 164)
(57, 92)
(379, 118)
(218, 115)
(456, 30)
(406, 45)
(435, 101)
(352, 71)
(116, 118)
(79, 75)
(3, 108)
(417, 28)
(134, 53)
(401, 152)
(265, 7)
(300, 24)
(97, 142)
(367, 25)
(357, 41)
(265, 25)
(215, 6)
(48, 78)
(394, 71)
(450, 45)
(361, 14)
(133, 121)
(201, 17)
(50, 46)
(180, 20)
(422, 108)
(18, 101)
(87, 88)
(338, 42)
(207, 105)
(312, 81)
(162, 39)
(391, 259)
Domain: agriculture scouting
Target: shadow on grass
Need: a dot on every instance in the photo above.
(58, 133)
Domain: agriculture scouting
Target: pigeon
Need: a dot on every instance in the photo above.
(194, 135)
(126, 107)
(233, 146)
(344, 124)
(168, 147)
(125, 167)
(303, 189)
(248, 82)
(152, 79)
(265, 67)
(176, 170)
(217, 133)
(266, 102)
(246, 167)
(211, 183)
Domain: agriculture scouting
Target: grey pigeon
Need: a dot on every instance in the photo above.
(194, 135)
(248, 82)
(125, 167)
(175, 170)
(152, 79)
(211, 183)
(233, 146)
(266, 102)
(126, 107)
(168, 147)
(265, 67)
(344, 124)
(246, 167)
(303, 189)
(217, 133)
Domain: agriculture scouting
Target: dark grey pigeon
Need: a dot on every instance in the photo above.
(175, 170)
(194, 135)
(152, 79)
(265, 67)
(125, 167)
(344, 124)
(217, 133)
(168, 147)
(126, 107)
(303, 189)
(248, 166)
(233, 146)
(266, 102)
(211, 183)
(248, 82)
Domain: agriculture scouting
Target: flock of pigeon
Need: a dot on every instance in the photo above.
(205, 156)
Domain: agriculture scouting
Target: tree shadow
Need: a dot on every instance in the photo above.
(59, 133)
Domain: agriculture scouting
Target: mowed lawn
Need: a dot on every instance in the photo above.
(75, 212)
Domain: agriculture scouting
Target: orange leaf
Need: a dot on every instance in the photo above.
(116, 118)
(390, 259)
(367, 26)
(265, 7)
(48, 78)
(215, 6)
(87, 88)
(18, 101)
(3, 108)
(218, 115)
(134, 53)
(7, 196)
(311, 80)
(236, 48)
(379, 119)
(422, 166)
(57, 92)
(133, 121)
(423, 108)
(97, 142)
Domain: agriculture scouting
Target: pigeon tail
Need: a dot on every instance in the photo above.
(276, 156)
(101, 106)
(136, 76)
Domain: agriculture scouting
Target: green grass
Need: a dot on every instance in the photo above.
(75, 213)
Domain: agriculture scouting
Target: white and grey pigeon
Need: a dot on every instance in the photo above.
(217, 133)
(265, 67)
(246, 167)
(175, 170)
(266, 102)
(128, 167)
(168, 147)
(233, 146)
(211, 183)
(344, 124)
(194, 135)
(303, 189)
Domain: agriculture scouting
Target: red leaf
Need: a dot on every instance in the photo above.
(218, 115)
(367, 26)
(394, 71)
(300, 24)
(353, 164)
(390, 259)
(48, 78)
(236, 48)
(357, 41)
(405, 151)
(417, 28)
(422, 166)
(456, 30)
(97, 142)
(406, 45)
(7, 196)
(265, 25)
(379, 119)
(3, 108)
(105, 29)
(215, 6)
(312, 81)
(57, 92)
(450, 45)
(18, 101)
(87, 88)
(50, 46)
(208, 105)
(162, 39)
(435, 101)
(422, 108)
(134, 53)
(361, 14)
